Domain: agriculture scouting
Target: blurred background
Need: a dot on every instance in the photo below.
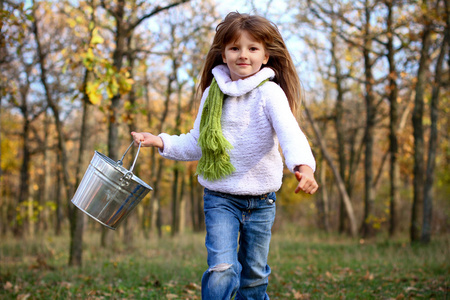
(79, 76)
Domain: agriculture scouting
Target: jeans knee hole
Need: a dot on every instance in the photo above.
(220, 267)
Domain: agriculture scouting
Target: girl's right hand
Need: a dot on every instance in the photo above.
(147, 140)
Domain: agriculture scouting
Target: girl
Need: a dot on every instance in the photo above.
(250, 90)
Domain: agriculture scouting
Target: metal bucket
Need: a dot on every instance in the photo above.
(108, 192)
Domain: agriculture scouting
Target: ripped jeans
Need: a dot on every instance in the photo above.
(242, 271)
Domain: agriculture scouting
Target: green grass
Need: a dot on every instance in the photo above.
(304, 266)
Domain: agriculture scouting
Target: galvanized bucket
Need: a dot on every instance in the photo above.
(108, 192)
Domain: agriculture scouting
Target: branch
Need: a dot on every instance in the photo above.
(108, 9)
(340, 17)
(135, 51)
(155, 11)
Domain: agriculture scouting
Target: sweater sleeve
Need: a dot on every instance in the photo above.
(184, 147)
(294, 144)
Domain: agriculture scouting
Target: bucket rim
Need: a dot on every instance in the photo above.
(121, 169)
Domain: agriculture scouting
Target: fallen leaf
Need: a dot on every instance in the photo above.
(368, 276)
(193, 286)
(171, 296)
(23, 296)
(66, 284)
(7, 286)
(296, 295)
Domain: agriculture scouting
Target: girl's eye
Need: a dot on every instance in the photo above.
(253, 49)
(234, 48)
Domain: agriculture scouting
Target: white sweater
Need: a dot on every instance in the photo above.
(254, 120)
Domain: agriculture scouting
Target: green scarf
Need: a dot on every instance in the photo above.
(215, 161)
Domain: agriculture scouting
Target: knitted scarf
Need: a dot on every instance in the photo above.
(215, 161)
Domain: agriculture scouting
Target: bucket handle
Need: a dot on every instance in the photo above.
(126, 178)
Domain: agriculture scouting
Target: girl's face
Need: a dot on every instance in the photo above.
(244, 57)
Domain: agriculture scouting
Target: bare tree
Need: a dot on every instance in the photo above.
(433, 139)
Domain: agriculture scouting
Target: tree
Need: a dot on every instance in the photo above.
(76, 216)
(124, 27)
(393, 118)
(417, 120)
(432, 143)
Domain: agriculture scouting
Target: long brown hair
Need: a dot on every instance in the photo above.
(265, 32)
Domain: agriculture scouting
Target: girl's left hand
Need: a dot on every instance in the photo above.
(306, 181)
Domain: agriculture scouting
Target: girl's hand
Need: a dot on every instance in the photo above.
(147, 139)
(306, 181)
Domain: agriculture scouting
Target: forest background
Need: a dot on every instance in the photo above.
(78, 76)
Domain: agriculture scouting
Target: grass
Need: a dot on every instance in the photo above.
(304, 266)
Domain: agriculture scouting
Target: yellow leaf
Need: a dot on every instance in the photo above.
(96, 38)
(95, 98)
(71, 23)
(92, 90)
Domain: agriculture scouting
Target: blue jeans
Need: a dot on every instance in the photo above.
(242, 272)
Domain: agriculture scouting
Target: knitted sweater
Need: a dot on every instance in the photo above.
(255, 120)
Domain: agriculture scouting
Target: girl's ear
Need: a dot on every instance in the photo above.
(224, 58)
(266, 59)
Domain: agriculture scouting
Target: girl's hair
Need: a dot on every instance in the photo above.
(265, 32)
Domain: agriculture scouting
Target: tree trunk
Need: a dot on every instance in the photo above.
(182, 207)
(367, 229)
(431, 162)
(24, 192)
(193, 201)
(157, 206)
(47, 175)
(76, 216)
(175, 202)
(418, 181)
(339, 111)
(200, 211)
(113, 111)
(177, 197)
(58, 191)
(129, 223)
(394, 173)
(337, 175)
(322, 200)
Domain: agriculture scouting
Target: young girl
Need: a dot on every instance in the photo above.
(250, 90)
